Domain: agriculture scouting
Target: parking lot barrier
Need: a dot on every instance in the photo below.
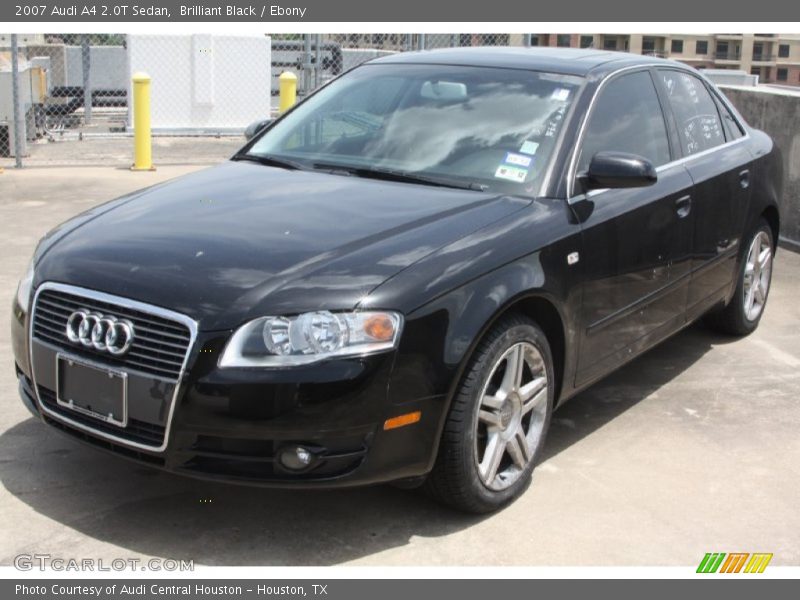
(288, 90)
(142, 137)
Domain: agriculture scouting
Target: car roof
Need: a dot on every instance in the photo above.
(568, 61)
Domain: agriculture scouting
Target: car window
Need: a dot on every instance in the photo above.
(627, 117)
(699, 125)
(356, 113)
(488, 127)
(733, 130)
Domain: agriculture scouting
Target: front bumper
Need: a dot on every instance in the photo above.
(233, 424)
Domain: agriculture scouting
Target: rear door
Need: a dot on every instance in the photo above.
(636, 242)
(720, 169)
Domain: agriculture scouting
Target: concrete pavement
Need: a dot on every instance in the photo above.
(692, 448)
(118, 151)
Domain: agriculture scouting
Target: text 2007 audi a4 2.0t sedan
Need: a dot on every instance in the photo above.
(401, 278)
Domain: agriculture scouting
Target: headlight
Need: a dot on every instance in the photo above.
(24, 288)
(311, 337)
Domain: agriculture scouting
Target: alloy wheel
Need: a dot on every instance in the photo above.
(511, 416)
(757, 271)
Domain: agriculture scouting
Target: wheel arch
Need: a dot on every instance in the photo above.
(546, 315)
(771, 215)
(542, 309)
(537, 305)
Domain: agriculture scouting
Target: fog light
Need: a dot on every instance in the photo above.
(297, 458)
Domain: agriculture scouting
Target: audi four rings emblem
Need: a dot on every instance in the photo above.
(101, 332)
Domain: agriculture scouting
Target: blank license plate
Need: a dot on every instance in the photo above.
(91, 390)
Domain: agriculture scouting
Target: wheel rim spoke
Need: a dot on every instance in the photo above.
(494, 401)
(532, 388)
(519, 449)
(513, 375)
(535, 401)
(759, 292)
(749, 299)
(764, 258)
(492, 419)
(495, 448)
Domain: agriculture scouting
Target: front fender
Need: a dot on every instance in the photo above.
(441, 335)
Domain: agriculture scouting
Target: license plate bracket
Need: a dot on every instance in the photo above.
(93, 390)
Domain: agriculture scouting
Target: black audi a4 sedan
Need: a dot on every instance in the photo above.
(402, 277)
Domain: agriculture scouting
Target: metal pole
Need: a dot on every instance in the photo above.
(317, 66)
(422, 41)
(408, 42)
(527, 40)
(86, 60)
(306, 63)
(15, 101)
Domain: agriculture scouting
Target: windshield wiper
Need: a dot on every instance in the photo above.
(270, 161)
(402, 176)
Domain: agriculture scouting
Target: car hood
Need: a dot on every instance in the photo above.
(242, 240)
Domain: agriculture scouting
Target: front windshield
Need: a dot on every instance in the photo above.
(491, 127)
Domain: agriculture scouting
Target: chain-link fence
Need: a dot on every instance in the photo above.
(68, 86)
(63, 97)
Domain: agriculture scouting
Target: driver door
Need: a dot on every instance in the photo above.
(637, 241)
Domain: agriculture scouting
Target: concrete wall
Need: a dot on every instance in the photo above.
(777, 113)
(731, 77)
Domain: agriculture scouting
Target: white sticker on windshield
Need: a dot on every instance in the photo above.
(560, 94)
(511, 173)
(517, 159)
(529, 147)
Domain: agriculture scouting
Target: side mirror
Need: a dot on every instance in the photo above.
(255, 128)
(619, 170)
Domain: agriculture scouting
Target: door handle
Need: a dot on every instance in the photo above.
(744, 179)
(683, 206)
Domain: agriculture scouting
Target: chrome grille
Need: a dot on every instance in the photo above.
(159, 346)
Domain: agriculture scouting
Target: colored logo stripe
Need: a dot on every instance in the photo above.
(734, 562)
(758, 563)
(713, 562)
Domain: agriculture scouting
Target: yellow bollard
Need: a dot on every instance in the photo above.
(142, 139)
(288, 90)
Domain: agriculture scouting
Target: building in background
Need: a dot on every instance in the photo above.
(775, 58)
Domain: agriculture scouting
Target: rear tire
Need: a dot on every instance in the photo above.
(498, 420)
(743, 313)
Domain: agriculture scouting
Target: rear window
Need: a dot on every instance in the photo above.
(733, 130)
(699, 125)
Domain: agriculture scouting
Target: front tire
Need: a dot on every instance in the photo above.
(743, 313)
(498, 420)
